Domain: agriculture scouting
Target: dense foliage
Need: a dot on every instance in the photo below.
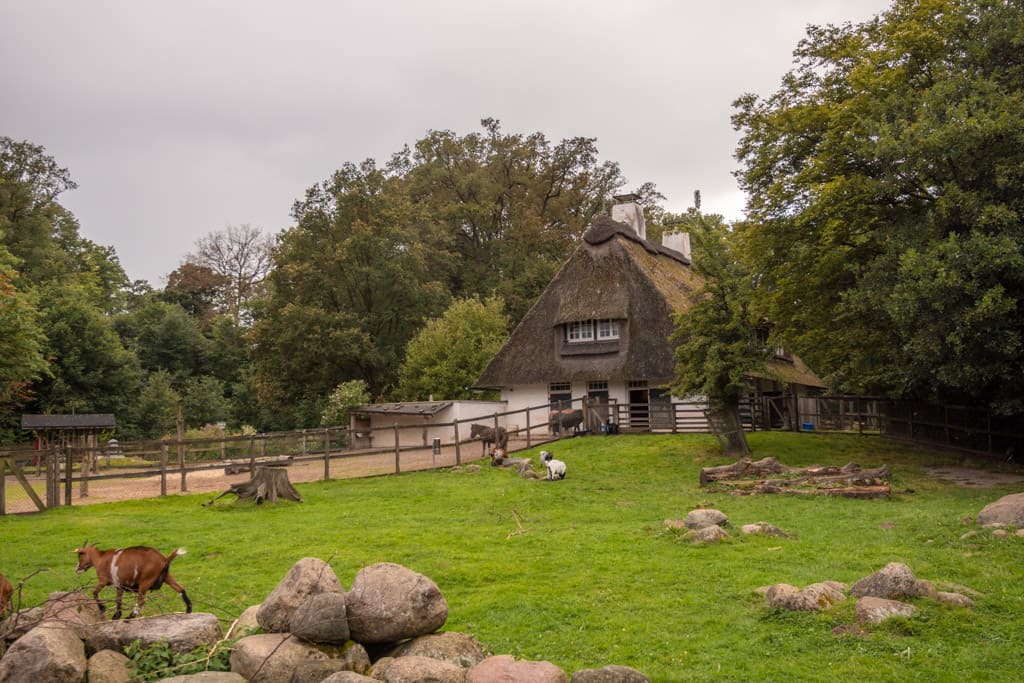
(885, 214)
(256, 331)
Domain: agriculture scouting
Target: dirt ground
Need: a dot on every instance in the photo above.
(970, 477)
(216, 481)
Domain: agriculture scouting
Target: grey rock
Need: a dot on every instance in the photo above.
(107, 666)
(417, 669)
(309, 576)
(613, 673)
(322, 618)
(895, 581)
(872, 610)
(506, 669)
(49, 653)
(705, 517)
(708, 534)
(1008, 510)
(455, 648)
(183, 632)
(389, 603)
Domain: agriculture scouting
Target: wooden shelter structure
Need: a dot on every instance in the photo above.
(64, 437)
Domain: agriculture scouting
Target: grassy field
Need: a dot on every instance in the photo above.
(584, 573)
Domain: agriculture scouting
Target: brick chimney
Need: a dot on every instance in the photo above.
(627, 210)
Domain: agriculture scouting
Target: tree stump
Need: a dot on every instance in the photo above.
(267, 484)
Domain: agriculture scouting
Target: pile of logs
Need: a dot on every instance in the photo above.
(768, 475)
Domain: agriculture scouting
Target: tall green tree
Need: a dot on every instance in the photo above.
(885, 212)
(353, 282)
(717, 341)
(22, 340)
(449, 353)
(512, 206)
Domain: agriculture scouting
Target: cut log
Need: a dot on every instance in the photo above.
(771, 476)
(741, 468)
(267, 484)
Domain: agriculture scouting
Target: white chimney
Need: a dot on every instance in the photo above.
(627, 210)
(679, 241)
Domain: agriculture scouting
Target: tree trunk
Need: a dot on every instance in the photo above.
(724, 421)
(267, 483)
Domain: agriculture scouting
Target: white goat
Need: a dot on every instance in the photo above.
(556, 468)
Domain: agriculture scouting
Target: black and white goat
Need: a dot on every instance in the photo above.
(556, 468)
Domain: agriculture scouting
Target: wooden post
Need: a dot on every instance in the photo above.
(674, 409)
(252, 454)
(69, 470)
(163, 468)
(52, 478)
(458, 447)
(527, 427)
(181, 447)
(327, 451)
(397, 451)
(3, 487)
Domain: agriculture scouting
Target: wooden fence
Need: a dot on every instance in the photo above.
(36, 480)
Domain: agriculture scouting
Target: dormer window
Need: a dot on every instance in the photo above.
(592, 330)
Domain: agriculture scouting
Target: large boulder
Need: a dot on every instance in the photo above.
(452, 647)
(245, 624)
(322, 618)
(871, 610)
(183, 632)
(347, 677)
(274, 657)
(108, 666)
(21, 622)
(389, 603)
(613, 673)
(708, 534)
(204, 677)
(49, 653)
(74, 610)
(309, 576)
(416, 669)
(1008, 510)
(354, 659)
(895, 581)
(813, 598)
(506, 669)
(705, 517)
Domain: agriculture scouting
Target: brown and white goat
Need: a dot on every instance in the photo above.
(6, 591)
(137, 569)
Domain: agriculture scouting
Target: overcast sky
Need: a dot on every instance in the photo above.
(180, 118)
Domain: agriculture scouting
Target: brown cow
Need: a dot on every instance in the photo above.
(6, 591)
(137, 569)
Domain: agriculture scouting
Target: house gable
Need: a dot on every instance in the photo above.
(614, 275)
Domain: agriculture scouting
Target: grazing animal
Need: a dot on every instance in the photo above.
(489, 436)
(556, 468)
(6, 591)
(564, 420)
(137, 569)
(498, 456)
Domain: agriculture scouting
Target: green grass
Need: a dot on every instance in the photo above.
(595, 577)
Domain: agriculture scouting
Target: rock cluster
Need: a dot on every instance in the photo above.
(384, 628)
(880, 595)
(707, 525)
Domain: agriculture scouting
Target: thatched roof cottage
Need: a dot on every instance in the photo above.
(601, 328)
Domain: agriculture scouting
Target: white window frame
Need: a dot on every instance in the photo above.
(591, 330)
(607, 329)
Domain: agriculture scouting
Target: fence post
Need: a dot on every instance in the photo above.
(163, 468)
(527, 427)
(252, 454)
(69, 471)
(458, 446)
(397, 451)
(327, 451)
(3, 487)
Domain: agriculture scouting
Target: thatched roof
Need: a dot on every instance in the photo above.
(70, 422)
(613, 274)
